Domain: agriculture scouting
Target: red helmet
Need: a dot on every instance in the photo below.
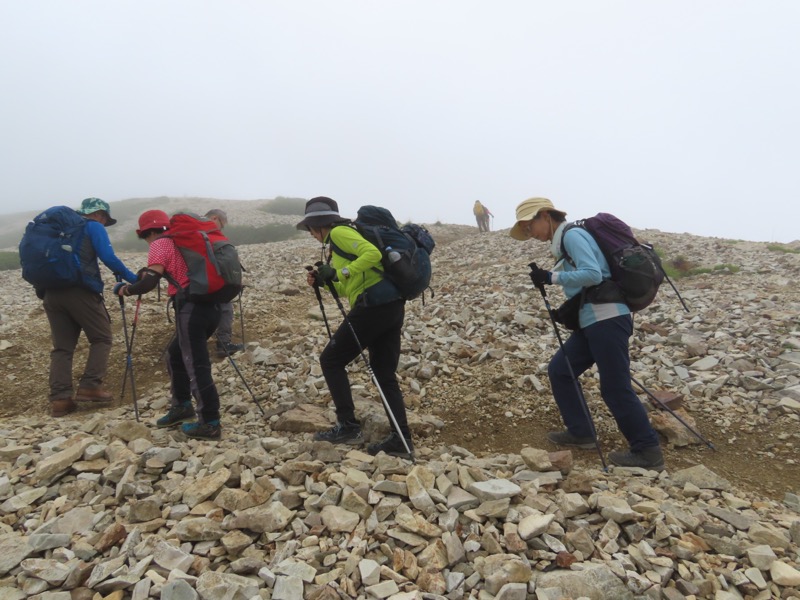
(153, 219)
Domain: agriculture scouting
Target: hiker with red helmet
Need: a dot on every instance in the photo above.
(188, 362)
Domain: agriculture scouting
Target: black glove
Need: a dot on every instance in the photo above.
(540, 277)
(326, 273)
(118, 286)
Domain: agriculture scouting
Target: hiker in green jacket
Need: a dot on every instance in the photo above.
(377, 311)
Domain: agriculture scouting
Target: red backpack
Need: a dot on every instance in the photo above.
(215, 273)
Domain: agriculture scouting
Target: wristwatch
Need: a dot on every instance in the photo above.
(345, 272)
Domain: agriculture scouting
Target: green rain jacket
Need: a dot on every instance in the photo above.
(363, 275)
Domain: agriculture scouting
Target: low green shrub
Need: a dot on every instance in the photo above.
(9, 261)
(782, 248)
(679, 267)
(281, 205)
(238, 234)
(273, 232)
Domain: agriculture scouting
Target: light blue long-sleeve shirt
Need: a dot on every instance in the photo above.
(590, 268)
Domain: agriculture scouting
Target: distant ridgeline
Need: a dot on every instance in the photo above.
(126, 212)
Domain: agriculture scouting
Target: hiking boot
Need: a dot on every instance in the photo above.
(565, 438)
(648, 458)
(392, 445)
(341, 433)
(98, 394)
(225, 348)
(60, 407)
(177, 415)
(202, 431)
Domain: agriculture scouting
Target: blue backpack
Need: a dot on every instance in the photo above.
(405, 252)
(50, 248)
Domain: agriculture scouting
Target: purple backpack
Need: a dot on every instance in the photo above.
(636, 271)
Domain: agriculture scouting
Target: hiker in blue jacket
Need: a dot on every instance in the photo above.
(601, 339)
(81, 308)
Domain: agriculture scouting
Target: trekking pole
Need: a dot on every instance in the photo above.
(386, 407)
(658, 401)
(677, 293)
(319, 299)
(578, 389)
(241, 316)
(129, 358)
(244, 381)
(133, 336)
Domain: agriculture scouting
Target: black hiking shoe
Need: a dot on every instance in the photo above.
(202, 431)
(649, 458)
(565, 438)
(225, 348)
(177, 415)
(341, 433)
(392, 445)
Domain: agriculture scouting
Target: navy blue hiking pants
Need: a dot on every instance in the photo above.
(378, 329)
(605, 344)
(188, 361)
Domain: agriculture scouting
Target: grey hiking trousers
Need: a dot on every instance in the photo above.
(225, 329)
(69, 312)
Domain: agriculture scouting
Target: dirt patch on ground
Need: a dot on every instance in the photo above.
(486, 415)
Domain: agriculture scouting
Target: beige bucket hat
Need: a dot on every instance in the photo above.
(527, 210)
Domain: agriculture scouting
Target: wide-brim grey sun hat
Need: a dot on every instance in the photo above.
(320, 211)
(527, 210)
(92, 205)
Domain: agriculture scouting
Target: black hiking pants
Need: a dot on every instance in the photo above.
(378, 329)
(604, 344)
(188, 361)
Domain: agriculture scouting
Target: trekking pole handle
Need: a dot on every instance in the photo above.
(121, 299)
(315, 274)
(539, 286)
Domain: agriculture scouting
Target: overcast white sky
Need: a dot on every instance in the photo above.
(682, 116)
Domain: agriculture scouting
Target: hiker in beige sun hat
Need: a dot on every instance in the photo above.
(527, 211)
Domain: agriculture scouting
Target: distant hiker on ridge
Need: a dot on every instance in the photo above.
(482, 214)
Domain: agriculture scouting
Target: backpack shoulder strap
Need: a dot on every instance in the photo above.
(349, 256)
(567, 228)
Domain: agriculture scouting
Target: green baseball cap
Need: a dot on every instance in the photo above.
(92, 205)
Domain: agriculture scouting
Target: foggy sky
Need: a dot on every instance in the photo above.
(679, 116)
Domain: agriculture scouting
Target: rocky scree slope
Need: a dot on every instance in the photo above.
(98, 504)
